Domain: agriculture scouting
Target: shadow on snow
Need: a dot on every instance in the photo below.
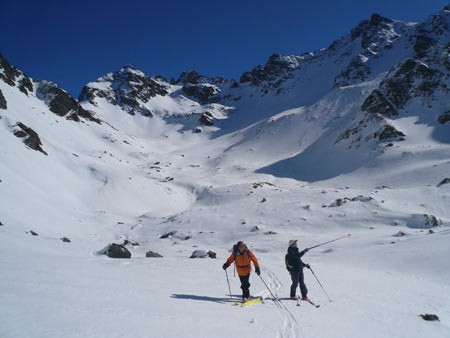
(206, 298)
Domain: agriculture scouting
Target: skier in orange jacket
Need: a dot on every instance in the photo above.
(243, 257)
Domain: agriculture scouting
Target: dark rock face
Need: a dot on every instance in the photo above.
(3, 104)
(117, 251)
(202, 92)
(9, 72)
(33, 233)
(377, 104)
(152, 254)
(189, 77)
(412, 78)
(444, 118)
(368, 29)
(62, 103)
(32, 139)
(422, 45)
(389, 133)
(356, 71)
(25, 85)
(65, 239)
(211, 254)
(126, 88)
(206, 119)
(278, 69)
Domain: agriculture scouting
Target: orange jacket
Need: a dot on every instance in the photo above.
(243, 264)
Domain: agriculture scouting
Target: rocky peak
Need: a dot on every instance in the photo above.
(369, 30)
(62, 103)
(277, 70)
(190, 76)
(14, 77)
(128, 88)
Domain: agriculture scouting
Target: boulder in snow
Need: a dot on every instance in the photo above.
(430, 317)
(34, 233)
(423, 221)
(65, 239)
(152, 254)
(199, 254)
(168, 234)
(211, 254)
(114, 250)
(444, 181)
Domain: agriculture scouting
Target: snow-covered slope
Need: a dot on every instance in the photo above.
(353, 139)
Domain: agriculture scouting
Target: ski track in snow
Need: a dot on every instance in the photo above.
(290, 327)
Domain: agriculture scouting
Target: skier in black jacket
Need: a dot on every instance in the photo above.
(295, 267)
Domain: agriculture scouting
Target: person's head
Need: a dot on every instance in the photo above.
(241, 246)
(293, 243)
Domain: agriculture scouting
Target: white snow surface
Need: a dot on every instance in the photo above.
(276, 168)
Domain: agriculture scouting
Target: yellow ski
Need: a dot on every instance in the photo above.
(250, 302)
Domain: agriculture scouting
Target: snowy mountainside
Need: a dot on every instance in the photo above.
(135, 93)
(352, 139)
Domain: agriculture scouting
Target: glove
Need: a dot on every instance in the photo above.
(306, 250)
(307, 266)
(225, 266)
(257, 270)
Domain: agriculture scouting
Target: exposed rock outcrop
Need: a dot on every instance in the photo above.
(128, 88)
(3, 104)
(62, 103)
(204, 93)
(31, 138)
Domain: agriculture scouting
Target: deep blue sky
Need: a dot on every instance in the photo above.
(72, 42)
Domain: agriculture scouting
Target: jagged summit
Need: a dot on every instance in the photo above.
(128, 88)
(58, 100)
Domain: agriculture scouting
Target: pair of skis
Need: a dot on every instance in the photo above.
(308, 301)
(260, 299)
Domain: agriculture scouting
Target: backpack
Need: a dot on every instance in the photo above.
(289, 267)
(235, 253)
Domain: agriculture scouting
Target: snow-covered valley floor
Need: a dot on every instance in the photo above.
(379, 280)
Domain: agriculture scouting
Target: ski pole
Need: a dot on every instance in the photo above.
(228, 282)
(317, 279)
(334, 240)
(273, 296)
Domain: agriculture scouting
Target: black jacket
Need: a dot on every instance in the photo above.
(294, 259)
